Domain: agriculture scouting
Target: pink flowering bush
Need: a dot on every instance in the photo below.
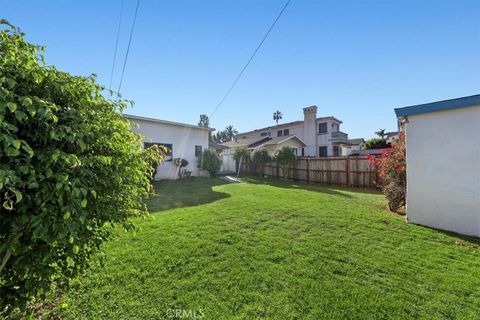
(392, 171)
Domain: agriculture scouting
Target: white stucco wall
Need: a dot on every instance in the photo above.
(183, 138)
(292, 143)
(443, 170)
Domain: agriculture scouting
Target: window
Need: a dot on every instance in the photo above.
(322, 152)
(336, 151)
(303, 152)
(169, 146)
(279, 133)
(295, 151)
(263, 134)
(286, 132)
(322, 127)
(198, 151)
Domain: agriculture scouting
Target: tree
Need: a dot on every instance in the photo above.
(239, 154)
(210, 161)
(285, 157)
(70, 167)
(392, 170)
(154, 156)
(204, 121)
(224, 135)
(260, 157)
(380, 133)
(277, 115)
(230, 132)
(376, 143)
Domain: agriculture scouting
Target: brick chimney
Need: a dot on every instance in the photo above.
(310, 130)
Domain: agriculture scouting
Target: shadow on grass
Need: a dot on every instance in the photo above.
(470, 239)
(332, 190)
(171, 194)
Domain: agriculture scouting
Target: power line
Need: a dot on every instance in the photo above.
(128, 47)
(116, 45)
(250, 60)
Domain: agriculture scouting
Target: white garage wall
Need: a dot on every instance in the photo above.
(443, 169)
(182, 137)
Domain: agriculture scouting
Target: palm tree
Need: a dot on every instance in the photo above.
(380, 133)
(277, 115)
(230, 132)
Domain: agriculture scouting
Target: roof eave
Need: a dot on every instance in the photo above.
(133, 117)
(461, 102)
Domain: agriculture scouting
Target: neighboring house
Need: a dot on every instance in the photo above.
(443, 164)
(269, 144)
(182, 140)
(312, 136)
(351, 146)
(392, 136)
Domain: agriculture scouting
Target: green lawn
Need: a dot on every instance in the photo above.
(265, 249)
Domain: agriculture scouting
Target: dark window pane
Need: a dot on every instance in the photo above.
(322, 152)
(198, 151)
(263, 134)
(322, 127)
(279, 133)
(286, 132)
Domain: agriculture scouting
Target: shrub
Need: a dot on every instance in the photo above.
(241, 153)
(376, 143)
(260, 157)
(210, 161)
(70, 167)
(392, 170)
(154, 155)
(285, 157)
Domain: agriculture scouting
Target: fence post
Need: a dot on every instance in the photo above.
(295, 172)
(308, 170)
(348, 171)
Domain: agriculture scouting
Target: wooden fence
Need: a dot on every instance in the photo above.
(346, 171)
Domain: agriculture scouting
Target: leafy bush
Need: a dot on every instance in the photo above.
(392, 170)
(241, 153)
(154, 155)
(210, 161)
(69, 168)
(261, 156)
(376, 143)
(285, 157)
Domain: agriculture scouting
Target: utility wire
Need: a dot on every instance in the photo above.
(116, 46)
(250, 60)
(128, 47)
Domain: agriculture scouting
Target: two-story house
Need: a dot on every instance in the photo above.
(311, 136)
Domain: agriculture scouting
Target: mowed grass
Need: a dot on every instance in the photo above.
(266, 249)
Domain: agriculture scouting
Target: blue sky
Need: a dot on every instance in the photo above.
(356, 60)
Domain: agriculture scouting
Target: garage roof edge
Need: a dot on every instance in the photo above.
(462, 102)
